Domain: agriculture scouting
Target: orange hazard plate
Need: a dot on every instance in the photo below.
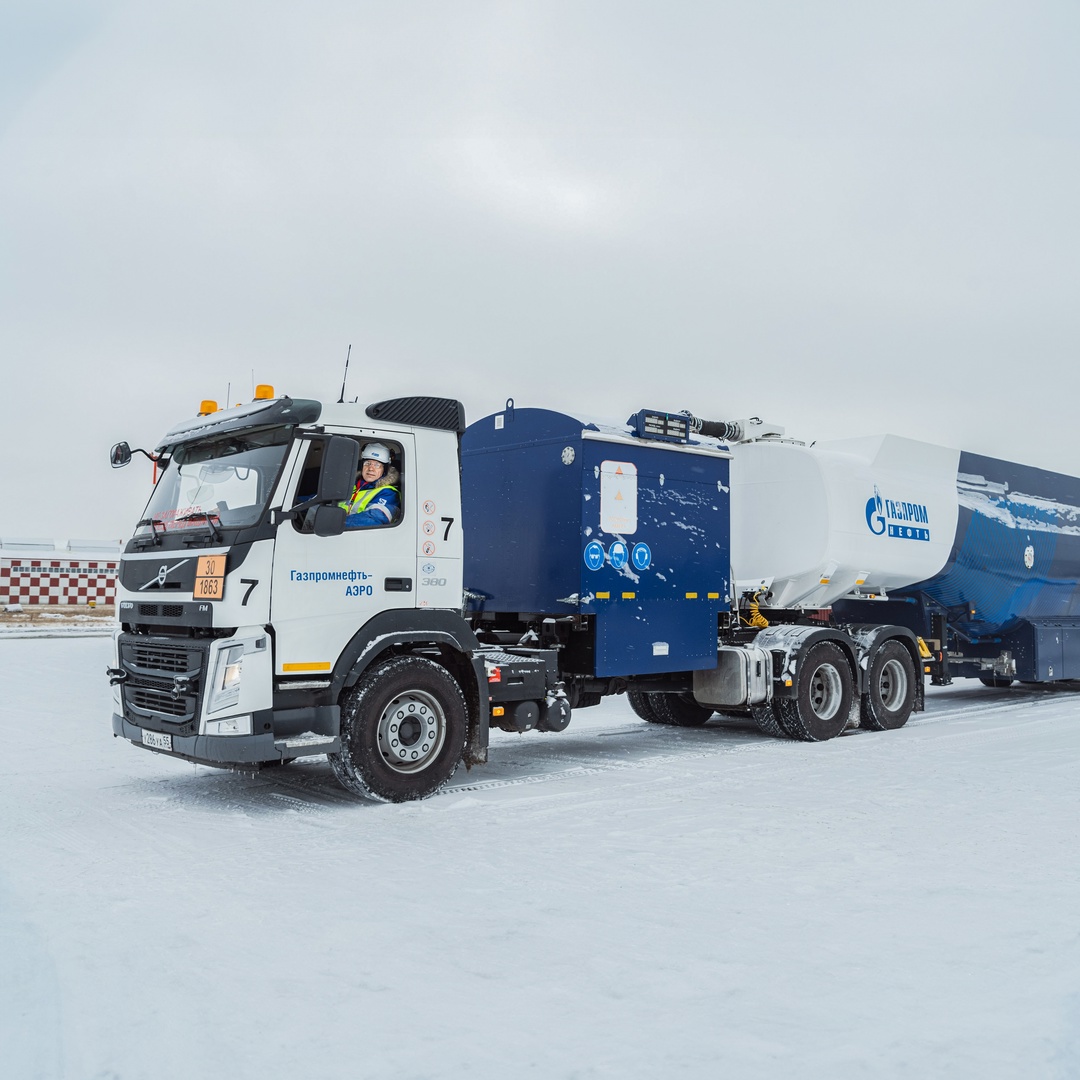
(210, 577)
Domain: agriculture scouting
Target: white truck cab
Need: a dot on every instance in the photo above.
(258, 626)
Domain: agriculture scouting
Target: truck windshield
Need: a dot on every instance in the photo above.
(216, 483)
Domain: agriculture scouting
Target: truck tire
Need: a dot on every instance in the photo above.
(642, 706)
(822, 702)
(765, 716)
(997, 682)
(890, 692)
(403, 728)
(680, 710)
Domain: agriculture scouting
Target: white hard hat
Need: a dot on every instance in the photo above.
(375, 451)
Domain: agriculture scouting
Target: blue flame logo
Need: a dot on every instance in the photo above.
(875, 519)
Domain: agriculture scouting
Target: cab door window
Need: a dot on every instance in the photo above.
(376, 500)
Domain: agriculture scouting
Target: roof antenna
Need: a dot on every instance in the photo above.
(341, 400)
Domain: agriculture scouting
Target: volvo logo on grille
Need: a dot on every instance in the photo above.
(158, 582)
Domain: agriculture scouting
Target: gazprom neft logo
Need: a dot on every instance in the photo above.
(902, 520)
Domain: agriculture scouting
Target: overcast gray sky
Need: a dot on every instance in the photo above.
(846, 217)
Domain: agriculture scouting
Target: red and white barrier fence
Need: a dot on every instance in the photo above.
(30, 574)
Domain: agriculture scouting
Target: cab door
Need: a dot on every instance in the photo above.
(324, 588)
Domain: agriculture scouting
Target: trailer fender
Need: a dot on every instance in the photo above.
(787, 643)
(869, 637)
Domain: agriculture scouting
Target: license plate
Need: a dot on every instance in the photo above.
(158, 742)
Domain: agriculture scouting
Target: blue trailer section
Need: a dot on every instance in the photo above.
(1011, 585)
(1017, 549)
(629, 535)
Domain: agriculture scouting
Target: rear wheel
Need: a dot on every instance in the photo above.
(403, 731)
(642, 705)
(680, 710)
(890, 692)
(822, 703)
(767, 720)
(998, 682)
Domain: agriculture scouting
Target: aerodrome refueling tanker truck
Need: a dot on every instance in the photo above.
(538, 562)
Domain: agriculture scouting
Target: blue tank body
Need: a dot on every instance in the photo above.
(563, 518)
(1016, 555)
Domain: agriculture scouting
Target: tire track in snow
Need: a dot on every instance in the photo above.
(772, 746)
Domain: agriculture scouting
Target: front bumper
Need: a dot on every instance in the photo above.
(230, 751)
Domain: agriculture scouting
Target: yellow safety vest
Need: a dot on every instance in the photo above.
(358, 503)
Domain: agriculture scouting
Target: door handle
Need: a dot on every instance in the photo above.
(397, 584)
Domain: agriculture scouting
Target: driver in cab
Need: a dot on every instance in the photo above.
(374, 500)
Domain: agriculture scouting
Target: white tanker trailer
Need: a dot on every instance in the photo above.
(977, 555)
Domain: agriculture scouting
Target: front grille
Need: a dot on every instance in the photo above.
(165, 611)
(164, 683)
(160, 658)
(158, 701)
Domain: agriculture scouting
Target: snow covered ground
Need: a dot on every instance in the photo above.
(615, 901)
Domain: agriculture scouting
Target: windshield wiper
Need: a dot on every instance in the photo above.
(153, 538)
(201, 515)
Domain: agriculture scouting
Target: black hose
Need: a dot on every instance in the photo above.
(726, 430)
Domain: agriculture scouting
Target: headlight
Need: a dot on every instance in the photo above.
(225, 689)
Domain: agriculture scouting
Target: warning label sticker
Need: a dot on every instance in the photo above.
(618, 497)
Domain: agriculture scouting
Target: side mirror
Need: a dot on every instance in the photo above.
(120, 455)
(328, 520)
(338, 476)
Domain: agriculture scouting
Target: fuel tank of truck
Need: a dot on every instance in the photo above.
(811, 524)
(990, 542)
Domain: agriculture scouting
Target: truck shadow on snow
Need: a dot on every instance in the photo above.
(309, 786)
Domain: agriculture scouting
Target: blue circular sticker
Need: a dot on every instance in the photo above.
(618, 554)
(594, 554)
(641, 557)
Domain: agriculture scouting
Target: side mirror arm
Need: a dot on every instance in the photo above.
(120, 455)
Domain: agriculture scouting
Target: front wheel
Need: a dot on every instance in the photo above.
(403, 729)
(890, 693)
